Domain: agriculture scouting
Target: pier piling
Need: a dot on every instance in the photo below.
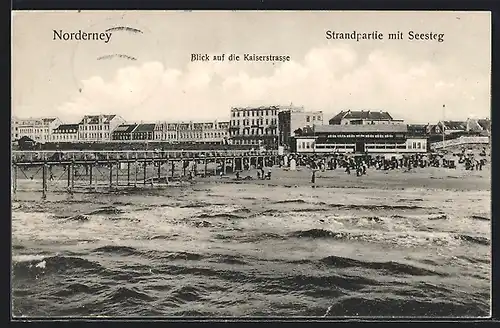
(44, 181)
(72, 176)
(14, 182)
(136, 166)
(110, 176)
(86, 161)
(90, 175)
(159, 171)
(128, 172)
(117, 173)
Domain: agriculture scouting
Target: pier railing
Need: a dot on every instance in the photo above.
(86, 155)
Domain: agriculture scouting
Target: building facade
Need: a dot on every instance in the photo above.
(189, 132)
(192, 132)
(123, 132)
(293, 121)
(144, 132)
(37, 129)
(14, 129)
(254, 126)
(65, 133)
(215, 132)
(371, 139)
(98, 128)
(363, 117)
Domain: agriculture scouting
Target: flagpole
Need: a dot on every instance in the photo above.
(442, 128)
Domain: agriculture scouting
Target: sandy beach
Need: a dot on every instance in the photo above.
(425, 178)
(429, 178)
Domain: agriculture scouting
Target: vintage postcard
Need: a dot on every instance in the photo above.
(251, 164)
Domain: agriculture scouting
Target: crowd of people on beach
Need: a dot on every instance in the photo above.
(360, 163)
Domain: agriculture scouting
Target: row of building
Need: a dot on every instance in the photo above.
(271, 126)
(246, 126)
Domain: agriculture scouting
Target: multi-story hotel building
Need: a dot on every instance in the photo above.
(254, 126)
(293, 120)
(98, 128)
(37, 129)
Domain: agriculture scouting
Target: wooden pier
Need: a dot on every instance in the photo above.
(97, 171)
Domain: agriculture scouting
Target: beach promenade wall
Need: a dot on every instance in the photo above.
(460, 141)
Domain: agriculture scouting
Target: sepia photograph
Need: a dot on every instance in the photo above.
(251, 164)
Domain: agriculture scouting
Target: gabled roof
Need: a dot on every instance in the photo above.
(454, 125)
(363, 115)
(125, 128)
(348, 128)
(66, 127)
(485, 124)
(149, 127)
(418, 129)
(94, 119)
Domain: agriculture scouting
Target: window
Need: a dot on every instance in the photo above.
(308, 119)
(414, 146)
(419, 145)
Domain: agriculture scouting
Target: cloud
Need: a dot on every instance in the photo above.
(330, 78)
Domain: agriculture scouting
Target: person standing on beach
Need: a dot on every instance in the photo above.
(313, 177)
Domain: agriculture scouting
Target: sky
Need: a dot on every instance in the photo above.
(412, 80)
